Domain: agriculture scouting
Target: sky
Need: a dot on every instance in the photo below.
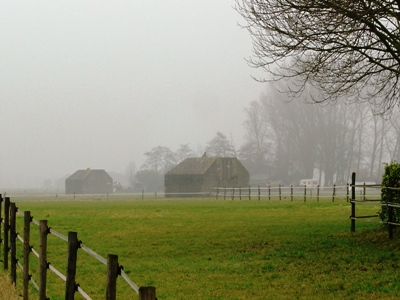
(96, 84)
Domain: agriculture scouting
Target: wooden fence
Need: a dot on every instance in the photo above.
(284, 193)
(9, 242)
(377, 201)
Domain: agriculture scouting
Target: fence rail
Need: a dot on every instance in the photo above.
(9, 243)
(291, 192)
(378, 201)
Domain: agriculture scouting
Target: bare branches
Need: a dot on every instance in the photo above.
(344, 48)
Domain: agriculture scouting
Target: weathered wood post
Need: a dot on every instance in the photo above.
(334, 193)
(269, 192)
(249, 193)
(318, 193)
(112, 273)
(240, 193)
(147, 293)
(347, 192)
(13, 242)
(280, 192)
(259, 193)
(353, 204)
(305, 193)
(363, 197)
(73, 246)
(27, 250)
(6, 230)
(43, 232)
(291, 192)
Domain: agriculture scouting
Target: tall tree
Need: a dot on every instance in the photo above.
(255, 152)
(347, 47)
(159, 159)
(220, 146)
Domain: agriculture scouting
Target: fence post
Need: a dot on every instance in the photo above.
(6, 230)
(280, 191)
(269, 192)
(363, 192)
(249, 193)
(259, 193)
(233, 193)
(224, 193)
(240, 193)
(347, 192)
(27, 250)
(305, 193)
(147, 293)
(112, 273)
(334, 193)
(216, 195)
(318, 193)
(13, 243)
(353, 204)
(73, 245)
(291, 192)
(43, 232)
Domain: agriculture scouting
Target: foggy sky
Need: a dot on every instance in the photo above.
(98, 83)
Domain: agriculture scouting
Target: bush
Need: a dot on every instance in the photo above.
(390, 178)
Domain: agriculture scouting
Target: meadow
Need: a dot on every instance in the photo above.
(223, 249)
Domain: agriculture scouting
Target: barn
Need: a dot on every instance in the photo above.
(197, 175)
(89, 182)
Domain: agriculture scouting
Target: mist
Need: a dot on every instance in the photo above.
(95, 84)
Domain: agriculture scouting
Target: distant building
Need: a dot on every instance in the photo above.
(197, 175)
(89, 182)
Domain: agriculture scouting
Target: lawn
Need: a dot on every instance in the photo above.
(223, 249)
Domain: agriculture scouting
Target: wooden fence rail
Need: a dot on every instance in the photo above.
(284, 192)
(389, 204)
(9, 243)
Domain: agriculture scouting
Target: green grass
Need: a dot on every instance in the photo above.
(216, 249)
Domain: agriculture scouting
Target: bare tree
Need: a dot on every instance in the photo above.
(131, 173)
(184, 151)
(220, 146)
(347, 47)
(159, 159)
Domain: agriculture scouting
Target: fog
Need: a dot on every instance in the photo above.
(98, 83)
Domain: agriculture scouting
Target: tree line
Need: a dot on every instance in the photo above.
(286, 141)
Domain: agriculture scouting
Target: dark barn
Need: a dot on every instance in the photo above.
(197, 175)
(89, 182)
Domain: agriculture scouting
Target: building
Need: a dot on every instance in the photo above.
(197, 175)
(89, 182)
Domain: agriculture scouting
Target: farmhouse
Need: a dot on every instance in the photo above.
(197, 175)
(89, 182)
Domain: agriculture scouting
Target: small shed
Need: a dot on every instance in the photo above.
(89, 182)
(197, 175)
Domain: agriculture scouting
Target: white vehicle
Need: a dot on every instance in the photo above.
(309, 183)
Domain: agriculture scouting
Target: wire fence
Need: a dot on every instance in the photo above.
(10, 245)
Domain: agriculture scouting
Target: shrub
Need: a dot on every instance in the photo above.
(390, 178)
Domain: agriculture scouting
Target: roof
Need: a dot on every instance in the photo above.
(195, 166)
(82, 174)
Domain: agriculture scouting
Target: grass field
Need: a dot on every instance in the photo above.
(223, 249)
